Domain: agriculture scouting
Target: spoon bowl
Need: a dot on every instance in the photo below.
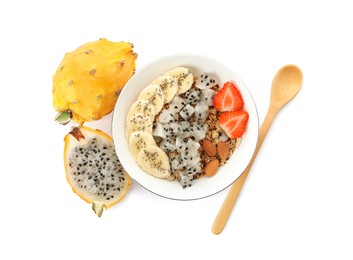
(285, 86)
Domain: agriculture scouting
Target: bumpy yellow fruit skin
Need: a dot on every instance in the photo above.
(89, 79)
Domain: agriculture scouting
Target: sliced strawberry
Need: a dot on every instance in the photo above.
(228, 98)
(234, 123)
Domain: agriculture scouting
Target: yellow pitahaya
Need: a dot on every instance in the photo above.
(89, 79)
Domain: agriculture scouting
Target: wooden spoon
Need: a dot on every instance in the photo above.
(285, 86)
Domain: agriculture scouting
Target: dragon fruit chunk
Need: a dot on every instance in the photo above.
(190, 156)
(184, 179)
(185, 129)
(177, 104)
(192, 96)
(201, 112)
(159, 130)
(193, 144)
(177, 163)
(180, 144)
(199, 131)
(194, 169)
(168, 144)
(187, 112)
(205, 82)
(168, 116)
(208, 95)
(172, 129)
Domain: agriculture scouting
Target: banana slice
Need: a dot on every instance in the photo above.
(184, 76)
(138, 141)
(154, 94)
(141, 106)
(139, 122)
(154, 161)
(169, 85)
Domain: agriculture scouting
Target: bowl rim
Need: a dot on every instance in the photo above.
(200, 56)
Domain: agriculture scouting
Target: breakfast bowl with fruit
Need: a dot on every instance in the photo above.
(185, 127)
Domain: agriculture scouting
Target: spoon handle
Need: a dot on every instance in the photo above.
(227, 206)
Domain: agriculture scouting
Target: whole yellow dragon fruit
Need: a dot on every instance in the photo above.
(89, 79)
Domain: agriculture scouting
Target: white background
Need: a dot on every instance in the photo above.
(297, 202)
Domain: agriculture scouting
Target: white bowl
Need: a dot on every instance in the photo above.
(205, 186)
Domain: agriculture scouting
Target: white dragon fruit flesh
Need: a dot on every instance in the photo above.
(180, 144)
(194, 169)
(168, 116)
(192, 96)
(187, 111)
(205, 82)
(177, 104)
(198, 130)
(177, 163)
(185, 179)
(185, 129)
(208, 95)
(201, 111)
(172, 129)
(168, 144)
(158, 130)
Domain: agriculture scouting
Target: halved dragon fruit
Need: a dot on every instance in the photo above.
(208, 95)
(201, 111)
(187, 111)
(205, 82)
(192, 96)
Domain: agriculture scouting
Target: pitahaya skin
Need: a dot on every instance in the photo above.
(89, 80)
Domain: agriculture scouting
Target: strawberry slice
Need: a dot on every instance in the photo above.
(234, 123)
(228, 98)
